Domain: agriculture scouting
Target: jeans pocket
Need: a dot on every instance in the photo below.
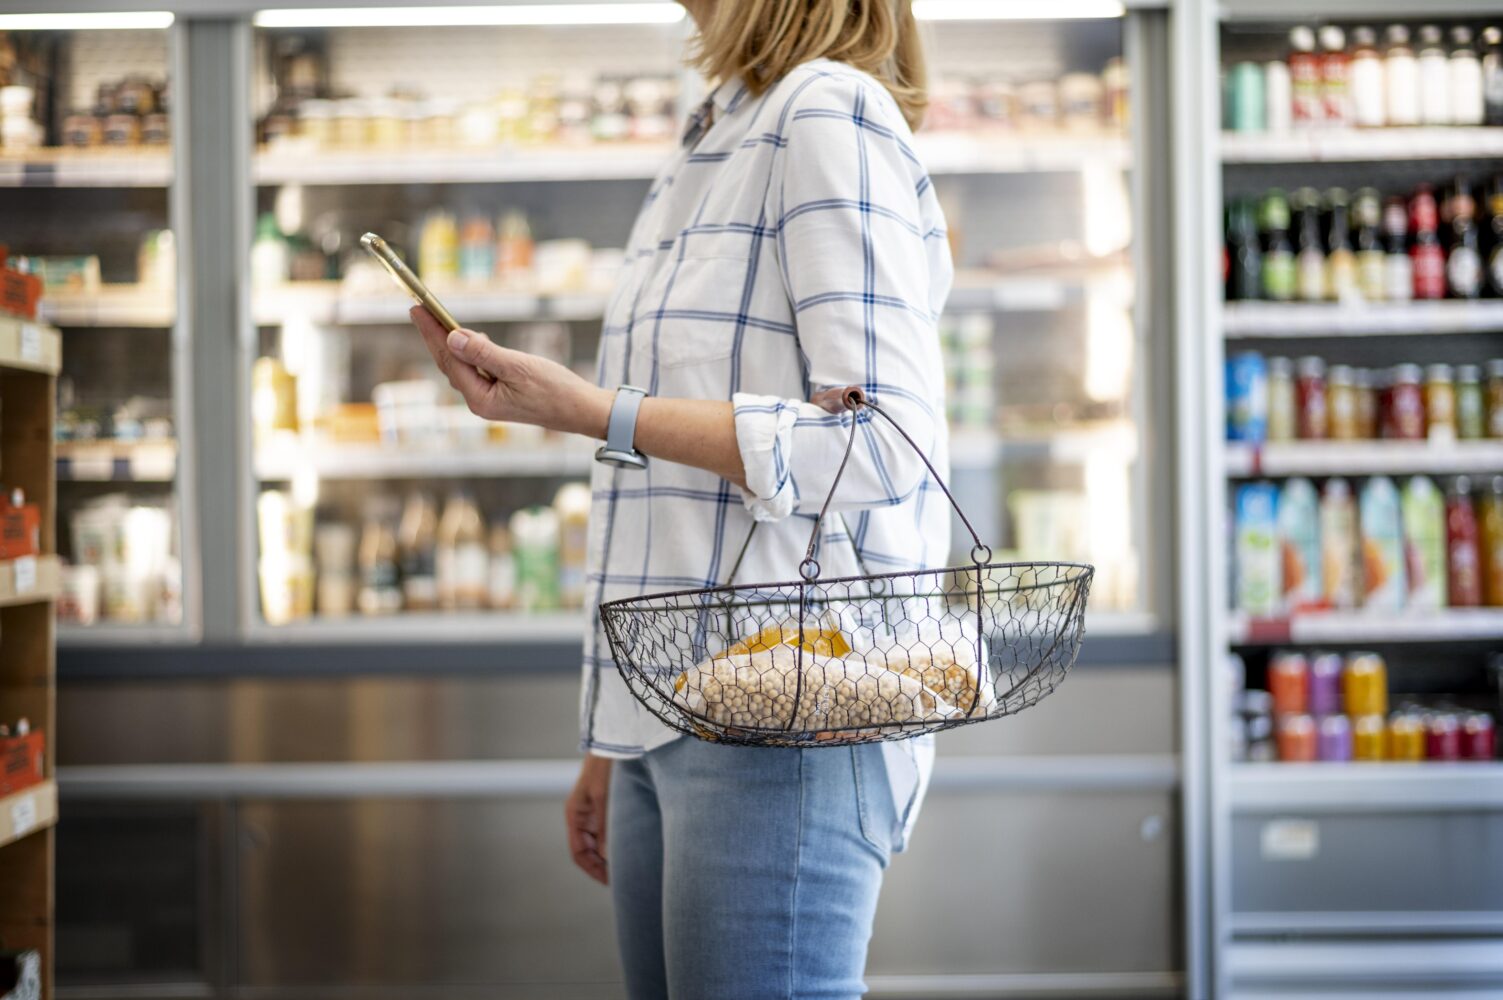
(874, 804)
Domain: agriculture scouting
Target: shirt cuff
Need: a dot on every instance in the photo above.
(764, 434)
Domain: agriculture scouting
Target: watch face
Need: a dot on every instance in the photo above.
(621, 459)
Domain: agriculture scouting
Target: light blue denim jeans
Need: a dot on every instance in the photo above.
(747, 873)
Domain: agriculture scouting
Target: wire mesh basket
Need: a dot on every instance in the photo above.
(857, 659)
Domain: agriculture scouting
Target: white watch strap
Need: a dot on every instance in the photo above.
(621, 428)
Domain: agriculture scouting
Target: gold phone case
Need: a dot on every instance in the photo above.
(403, 274)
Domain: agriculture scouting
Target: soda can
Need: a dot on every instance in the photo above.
(1325, 683)
(1368, 738)
(1478, 737)
(1442, 736)
(1289, 683)
(1334, 739)
(1406, 736)
(1365, 684)
(1296, 738)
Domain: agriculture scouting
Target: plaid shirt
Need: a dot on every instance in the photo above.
(794, 242)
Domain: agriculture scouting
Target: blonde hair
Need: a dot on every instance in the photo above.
(759, 41)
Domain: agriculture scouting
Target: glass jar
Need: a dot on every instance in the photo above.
(1405, 418)
(1282, 409)
(1341, 404)
(1367, 403)
(1495, 398)
(1471, 411)
(1312, 422)
(1440, 404)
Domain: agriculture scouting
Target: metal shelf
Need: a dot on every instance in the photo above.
(956, 153)
(1332, 319)
(69, 168)
(30, 346)
(117, 461)
(27, 811)
(379, 462)
(1362, 458)
(1350, 10)
(1366, 787)
(1368, 626)
(112, 305)
(1358, 145)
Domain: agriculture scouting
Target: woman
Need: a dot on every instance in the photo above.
(794, 243)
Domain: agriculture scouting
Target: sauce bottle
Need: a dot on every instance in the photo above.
(1341, 404)
(1464, 580)
(1495, 398)
(1310, 279)
(1434, 77)
(1335, 77)
(1366, 77)
(1341, 261)
(1426, 256)
(1401, 78)
(1311, 416)
(1467, 101)
(1367, 404)
(1305, 77)
(1440, 404)
(1282, 407)
(463, 560)
(1366, 215)
(1471, 409)
(1492, 75)
(1491, 507)
(1278, 255)
(1463, 260)
(1398, 269)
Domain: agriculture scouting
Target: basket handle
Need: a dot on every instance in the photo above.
(853, 398)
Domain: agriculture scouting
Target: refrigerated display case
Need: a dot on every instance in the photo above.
(86, 180)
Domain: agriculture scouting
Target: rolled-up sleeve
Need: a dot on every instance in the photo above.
(860, 270)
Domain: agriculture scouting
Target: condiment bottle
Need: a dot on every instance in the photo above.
(1495, 398)
(1341, 404)
(1282, 408)
(1278, 256)
(1310, 278)
(1440, 404)
(1406, 405)
(1398, 269)
(463, 561)
(1335, 82)
(1366, 79)
(1467, 102)
(1367, 404)
(1425, 253)
(1464, 579)
(1312, 420)
(1366, 215)
(1434, 77)
(1401, 78)
(1471, 409)
(1492, 75)
(1463, 260)
(1491, 507)
(1305, 73)
(1341, 262)
(1278, 96)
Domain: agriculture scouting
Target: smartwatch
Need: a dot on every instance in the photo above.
(621, 431)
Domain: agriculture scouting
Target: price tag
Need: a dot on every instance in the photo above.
(1290, 840)
(31, 343)
(26, 574)
(23, 814)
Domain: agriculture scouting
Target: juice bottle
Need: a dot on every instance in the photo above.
(1299, 531)
(1338, 544)
(1424, 510)
(1464, 586)
(1259, 571)
(1491, 506)
(1383, 578)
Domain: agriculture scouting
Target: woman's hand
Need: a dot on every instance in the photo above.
(584, 815)
(523, 388)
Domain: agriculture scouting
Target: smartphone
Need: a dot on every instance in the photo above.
(403, 275)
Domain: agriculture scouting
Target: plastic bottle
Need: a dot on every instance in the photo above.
(1424, 511)
(438, 248)
(416, 539)
(1440, 404)
(535, 541)
(380, 590)
(1434, 77)
(1463, 555)
(1305, 78)
(1466, 87)
(463, 561)
(270, 261)
(477, 250)
(1335, 77)
(1492, 75)
(1278, 96)
(503, 568)
(1401, 78)
(1471, 409)
(1384, 582)
(1338, 544)
(1246, 112)
(572, 505)
(1491, 509)
(1366, 79)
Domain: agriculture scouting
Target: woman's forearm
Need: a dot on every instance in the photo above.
(696, 432)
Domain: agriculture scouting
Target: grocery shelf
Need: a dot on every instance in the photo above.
(1368, 626)
(117, 461)
(28, 579)
(1355, 145)
(942, 153)
(455, 461)
(27, 811)
(102, 168)
(112, 305)
(488, 627)
(1332, 319)
(1363, 458)
(327, 303)
(29, 345)
(1367, 786)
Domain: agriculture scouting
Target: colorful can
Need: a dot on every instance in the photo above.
(1364, 684)
(1406, 736)
(1442, 736)
(1289, 683)
(1312, 420)
(1261, 748)
(1246, 397)
(1296, 738)
(1325, 683)
(1404, 417)
(1334, 738)
(1368, 738)
(1478, 736)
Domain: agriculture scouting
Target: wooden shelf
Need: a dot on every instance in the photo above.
(27, 811)
(30, 346)
(27, 580)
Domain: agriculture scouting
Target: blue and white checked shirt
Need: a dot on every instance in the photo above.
(794, 242)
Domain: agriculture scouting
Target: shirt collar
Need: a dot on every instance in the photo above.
(723, 100)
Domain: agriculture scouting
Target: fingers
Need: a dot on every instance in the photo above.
(585, 820)
(474, 385)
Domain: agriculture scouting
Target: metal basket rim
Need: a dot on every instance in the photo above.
(628, 604)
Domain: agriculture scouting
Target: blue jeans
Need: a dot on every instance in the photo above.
(747, 873)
